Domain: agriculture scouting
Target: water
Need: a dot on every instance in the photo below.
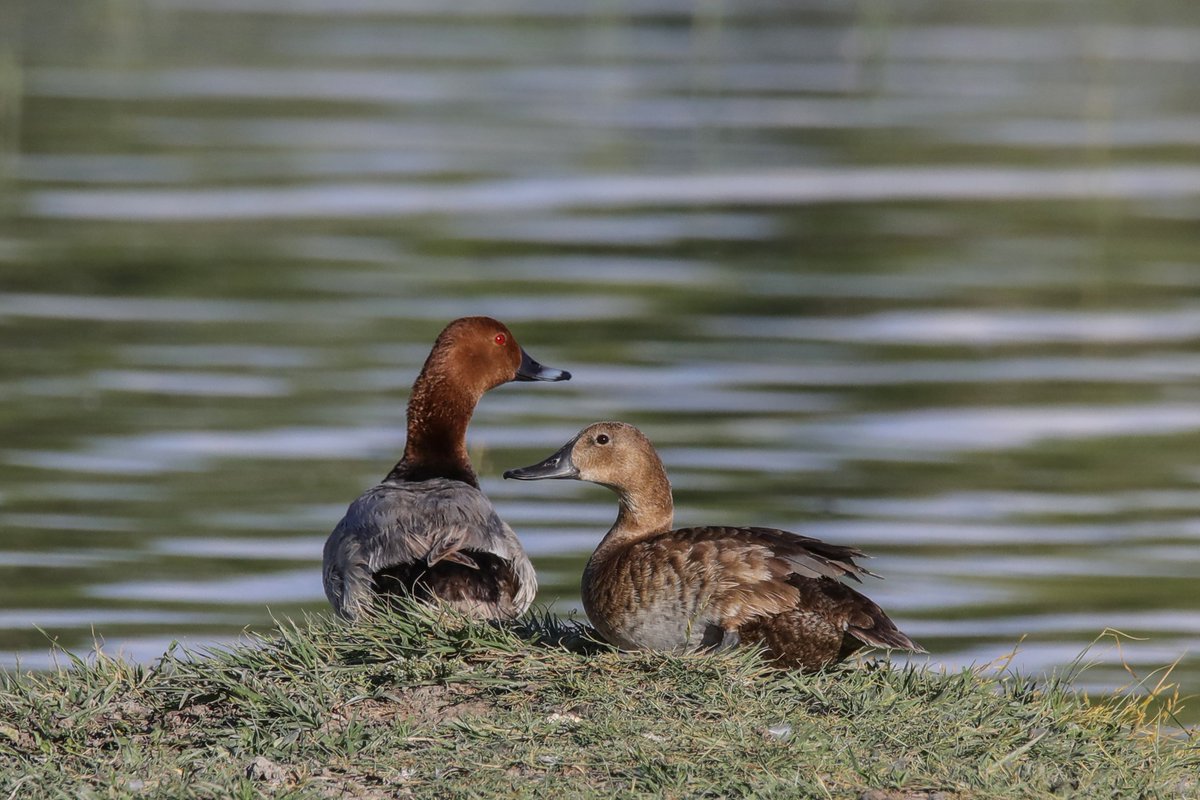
(919, 278)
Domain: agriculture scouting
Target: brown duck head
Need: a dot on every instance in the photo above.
(619, 456)
(470, 356)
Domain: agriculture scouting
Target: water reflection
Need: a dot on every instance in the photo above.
(905, 280)
(294, 586)
(979, 327)
(599, 193)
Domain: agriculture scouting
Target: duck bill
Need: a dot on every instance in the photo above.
(558, 465)
(531, 370)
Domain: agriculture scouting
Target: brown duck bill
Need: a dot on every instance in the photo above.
(558, 465)
(531, 370)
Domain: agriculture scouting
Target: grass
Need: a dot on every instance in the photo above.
(424, 704)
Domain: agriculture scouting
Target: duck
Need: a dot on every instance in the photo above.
(650, 587)
(426, 531)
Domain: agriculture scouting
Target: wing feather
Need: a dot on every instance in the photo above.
(749, 573)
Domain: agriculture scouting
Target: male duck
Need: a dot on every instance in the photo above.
(427, 530)
(648, 587)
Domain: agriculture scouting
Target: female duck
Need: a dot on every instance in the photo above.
(426, 530)
(648, 587)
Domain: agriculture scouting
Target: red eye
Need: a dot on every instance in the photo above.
(501, 339)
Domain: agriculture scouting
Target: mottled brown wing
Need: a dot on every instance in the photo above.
(806, 556)
(739, 574)
(768, 578)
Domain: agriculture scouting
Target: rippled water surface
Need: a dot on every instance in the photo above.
(919, 277)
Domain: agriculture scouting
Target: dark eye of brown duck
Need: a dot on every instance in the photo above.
(602, 439)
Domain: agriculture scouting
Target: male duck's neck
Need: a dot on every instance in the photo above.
(438, 415)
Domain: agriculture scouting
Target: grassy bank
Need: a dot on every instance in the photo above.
(432, 707)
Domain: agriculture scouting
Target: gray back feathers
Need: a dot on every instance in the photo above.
(399, 523)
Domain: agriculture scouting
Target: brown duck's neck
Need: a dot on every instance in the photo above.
(438, 414)
(646, 509)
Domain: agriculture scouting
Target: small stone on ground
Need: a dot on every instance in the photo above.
(264, 769)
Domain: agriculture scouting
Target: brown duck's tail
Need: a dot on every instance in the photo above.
(888, 636)
(871, 625)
